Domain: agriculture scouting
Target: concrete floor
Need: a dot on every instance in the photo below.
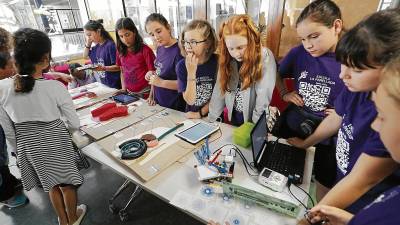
(100, 184)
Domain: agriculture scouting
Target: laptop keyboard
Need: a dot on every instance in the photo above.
(285, 159)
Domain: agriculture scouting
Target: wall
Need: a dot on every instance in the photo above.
(353, 11)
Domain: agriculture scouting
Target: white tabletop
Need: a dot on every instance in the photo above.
(180, 181)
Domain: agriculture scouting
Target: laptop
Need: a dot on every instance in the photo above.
(282, 158)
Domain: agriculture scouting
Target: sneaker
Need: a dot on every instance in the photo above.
(16, 201)
(83, 208)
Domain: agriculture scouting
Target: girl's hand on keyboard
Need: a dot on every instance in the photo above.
(297, 142)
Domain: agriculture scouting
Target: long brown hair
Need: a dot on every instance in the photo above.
(250, 71)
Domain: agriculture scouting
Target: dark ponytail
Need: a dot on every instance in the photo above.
(30, 48)
(95, 25)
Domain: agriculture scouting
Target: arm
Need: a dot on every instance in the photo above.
(159, 82)
(9, 131)
(112, 68)
(86, 50)
(329, 213)
(265, 87)
(123, 88)
(189, 94)
(67, 108)
(327, 128)
(366, 173)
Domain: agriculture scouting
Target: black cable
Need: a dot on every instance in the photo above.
(245, 162)
(309, 196)
(289, 184)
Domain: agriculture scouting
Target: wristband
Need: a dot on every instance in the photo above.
(87, 46)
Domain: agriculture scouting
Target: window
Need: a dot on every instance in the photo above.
(221, 9)
(61, 20)
(385, 4)
(108, 10)
(138, 10)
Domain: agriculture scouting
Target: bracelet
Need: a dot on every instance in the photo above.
(87, 46)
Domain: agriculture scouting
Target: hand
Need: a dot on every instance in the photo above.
(61, 76)
(65, 77)
(191, 62)
(148, 75)
(329, 111)
(150, 100)
(328, 213)
(192, 115)
(121, 91)
(294, 98)
(297, 142)
(155, 80)
(88, 42)
(215, 223)
(100, 68)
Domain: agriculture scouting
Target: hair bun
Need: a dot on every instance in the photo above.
(100, 21)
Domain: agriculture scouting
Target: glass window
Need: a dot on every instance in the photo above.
(61, 20)
(108, 10)
(221, 9)
(138, 10)
(169, 9)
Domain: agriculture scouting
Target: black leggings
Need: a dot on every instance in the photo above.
(7, 187)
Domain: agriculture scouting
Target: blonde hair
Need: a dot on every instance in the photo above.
(250, 71)
(391, 79)
(208, 33)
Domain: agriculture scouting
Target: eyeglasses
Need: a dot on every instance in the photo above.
(192, 43)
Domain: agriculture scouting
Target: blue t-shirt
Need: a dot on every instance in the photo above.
(206, 75)
(316, 79)
(105, 55)
(165, 64)
(355, 135)
(383, 211)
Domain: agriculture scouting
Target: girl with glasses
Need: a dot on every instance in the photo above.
(198, 71)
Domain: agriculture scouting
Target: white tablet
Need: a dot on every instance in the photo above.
(197, 132)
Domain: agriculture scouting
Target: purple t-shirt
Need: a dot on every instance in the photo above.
(316, 78)
(165, 63)
(105, 55)
(355, 135)
(206, 74)
(383, 211)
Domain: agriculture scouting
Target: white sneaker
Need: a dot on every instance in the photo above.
(83, 208)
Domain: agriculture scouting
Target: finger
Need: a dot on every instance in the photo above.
(299, 98)
(295, 101)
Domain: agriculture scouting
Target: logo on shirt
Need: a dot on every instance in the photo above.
(238, 100)
(158, 66)
(343, 147)
(383, 198)
(204, 90)
(315, 96)
(303, 75)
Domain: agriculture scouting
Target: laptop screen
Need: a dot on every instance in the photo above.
(258, 136)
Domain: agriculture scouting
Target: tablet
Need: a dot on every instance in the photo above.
(197, 132)
(125, 98)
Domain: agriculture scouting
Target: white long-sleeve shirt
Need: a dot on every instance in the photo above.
(49, 100)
